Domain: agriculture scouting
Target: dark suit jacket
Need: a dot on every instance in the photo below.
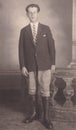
(42, 55)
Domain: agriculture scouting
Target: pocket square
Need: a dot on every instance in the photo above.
(44, 35)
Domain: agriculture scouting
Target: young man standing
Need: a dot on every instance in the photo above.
(37, 61)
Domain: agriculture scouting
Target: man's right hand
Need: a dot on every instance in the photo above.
(25, 71)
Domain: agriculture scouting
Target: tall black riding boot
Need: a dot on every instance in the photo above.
(46, 120)
(39, 110)
(32, 116)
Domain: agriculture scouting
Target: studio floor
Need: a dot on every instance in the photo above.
(12, 113)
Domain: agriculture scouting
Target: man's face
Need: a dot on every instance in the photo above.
(32, 14)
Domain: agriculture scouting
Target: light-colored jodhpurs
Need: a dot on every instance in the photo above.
(44, 80)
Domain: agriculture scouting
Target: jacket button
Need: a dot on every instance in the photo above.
(36, 54)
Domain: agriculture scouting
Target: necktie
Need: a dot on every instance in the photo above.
(34, 33)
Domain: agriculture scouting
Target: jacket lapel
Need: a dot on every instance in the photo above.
(39, 32)
(29, 31)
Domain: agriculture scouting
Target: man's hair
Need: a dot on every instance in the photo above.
(33, 5)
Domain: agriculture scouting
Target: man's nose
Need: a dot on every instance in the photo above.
(32, 14)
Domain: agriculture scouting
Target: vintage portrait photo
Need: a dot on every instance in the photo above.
(37, 64)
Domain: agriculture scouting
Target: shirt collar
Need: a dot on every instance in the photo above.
(36, 24)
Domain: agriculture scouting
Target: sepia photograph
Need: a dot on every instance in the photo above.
(37, 64)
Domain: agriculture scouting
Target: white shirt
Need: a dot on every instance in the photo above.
(36, 26)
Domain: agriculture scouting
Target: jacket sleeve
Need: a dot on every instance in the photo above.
(21, 50)
(51, 46)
